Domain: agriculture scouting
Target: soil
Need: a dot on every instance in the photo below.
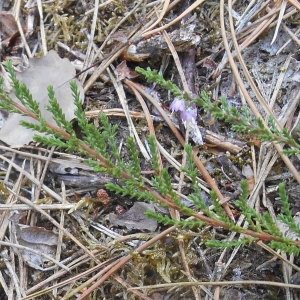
(109, 228)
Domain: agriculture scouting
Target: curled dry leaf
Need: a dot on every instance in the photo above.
(123, 71)
(42, 72)
(39, 239)
(135, 218)
(120, 36)
(9, 28)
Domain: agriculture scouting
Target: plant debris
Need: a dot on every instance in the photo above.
(41, 73)
(135, 217)
(84, 232)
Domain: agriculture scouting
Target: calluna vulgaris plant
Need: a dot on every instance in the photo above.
(102, 152)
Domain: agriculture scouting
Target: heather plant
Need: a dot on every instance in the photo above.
(241, 120)
(101, 150)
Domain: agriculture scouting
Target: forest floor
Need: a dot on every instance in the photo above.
(100, 245)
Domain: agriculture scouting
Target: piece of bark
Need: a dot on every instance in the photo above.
(226, 143)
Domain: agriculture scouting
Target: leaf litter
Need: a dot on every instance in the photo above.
(168, 260)
(36, 238)
(49, 70)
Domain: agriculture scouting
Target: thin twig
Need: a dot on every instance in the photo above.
(55, 223)
(221, 283)
(124, 260)
(241, 84)
(178, 135)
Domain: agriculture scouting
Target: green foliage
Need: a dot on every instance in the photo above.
(22, 93)
(286, 215)
(154, 154)
(57, 113)
(101, 147)
(166, 220)
(154, 76)
(241, 120)
(286, 247)
(219, 211)
(130, 189)
(7, 103)
(253, 218)
(134, 163)
(51, 141)
(191, 170)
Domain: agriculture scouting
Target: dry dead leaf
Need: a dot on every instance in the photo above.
(38, 239)
(9, 27)
(123, 71)
(135, 218)
(120, 36)
(42, 72)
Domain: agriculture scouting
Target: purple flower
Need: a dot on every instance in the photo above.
(186, 113)
(189, 114)
(177, 105)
